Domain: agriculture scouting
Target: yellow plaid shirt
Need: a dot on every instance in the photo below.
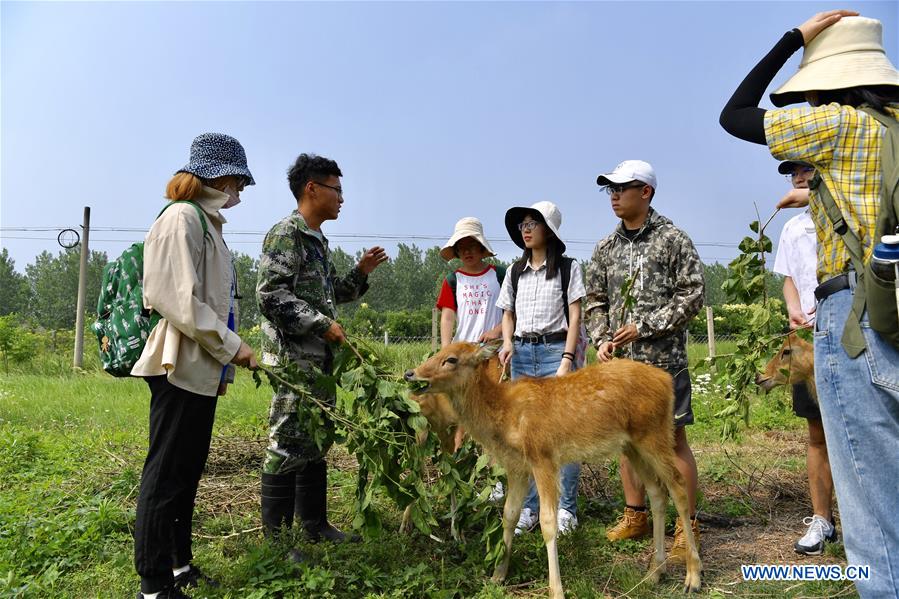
(844, 145)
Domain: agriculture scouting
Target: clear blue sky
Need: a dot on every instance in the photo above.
(434, 111)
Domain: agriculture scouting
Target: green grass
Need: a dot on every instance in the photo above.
(71, 450)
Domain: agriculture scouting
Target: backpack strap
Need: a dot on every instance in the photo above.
(853, 340)
(196, 207)
(500, 273)
(451, 280)
(515, 273)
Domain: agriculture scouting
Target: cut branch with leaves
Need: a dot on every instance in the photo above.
(373, 416)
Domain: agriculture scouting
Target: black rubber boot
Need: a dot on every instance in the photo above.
(278, 496)
(312, 505)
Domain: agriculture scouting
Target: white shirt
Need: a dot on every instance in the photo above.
(538, 304)
(475, 305)
(796, 258)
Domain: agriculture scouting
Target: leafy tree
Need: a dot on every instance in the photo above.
(246, 268)
(13, 286)
(17, 344)
(53, 287)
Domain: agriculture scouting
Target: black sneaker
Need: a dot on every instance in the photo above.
(193, 577)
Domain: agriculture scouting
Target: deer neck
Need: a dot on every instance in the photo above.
(479, 404)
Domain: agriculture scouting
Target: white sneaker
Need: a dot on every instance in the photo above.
(819, 531)
(566, 521)
(527, 521)
(497, 494)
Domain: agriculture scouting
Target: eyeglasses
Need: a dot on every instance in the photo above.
(802, 170)
(339, 190)
(528, 225)
(619, 187)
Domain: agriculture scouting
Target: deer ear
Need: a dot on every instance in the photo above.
(489, 349)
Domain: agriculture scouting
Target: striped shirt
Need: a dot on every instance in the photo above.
(844, 145)
(538, 303)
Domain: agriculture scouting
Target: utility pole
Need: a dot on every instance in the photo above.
(82, 289)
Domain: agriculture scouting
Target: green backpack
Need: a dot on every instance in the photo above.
(871, 293)
(123, 324)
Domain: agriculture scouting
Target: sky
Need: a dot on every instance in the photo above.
(434, 111)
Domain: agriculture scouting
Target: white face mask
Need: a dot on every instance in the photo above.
(233, 198)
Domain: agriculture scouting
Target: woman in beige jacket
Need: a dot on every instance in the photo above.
(189, 280)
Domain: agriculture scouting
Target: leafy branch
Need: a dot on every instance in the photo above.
(746, 284)
(373, 416)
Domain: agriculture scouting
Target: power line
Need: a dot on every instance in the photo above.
(334, 236)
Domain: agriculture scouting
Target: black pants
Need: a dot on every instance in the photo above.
(180, 433)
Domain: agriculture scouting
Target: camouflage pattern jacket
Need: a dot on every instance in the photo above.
(297, 291)
(668, 290)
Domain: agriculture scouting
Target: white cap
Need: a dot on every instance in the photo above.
(630, 170)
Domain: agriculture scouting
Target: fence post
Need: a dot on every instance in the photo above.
(710, 329)
(78, 360)
(435, 328)
(386, 338)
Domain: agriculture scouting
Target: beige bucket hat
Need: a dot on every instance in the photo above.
(849, 53)
(466, 227)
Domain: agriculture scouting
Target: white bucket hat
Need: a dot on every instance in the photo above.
(466, 227)
(849, 53)
(547, 212)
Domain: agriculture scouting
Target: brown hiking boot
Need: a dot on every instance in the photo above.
(631, 525)
(678, 553)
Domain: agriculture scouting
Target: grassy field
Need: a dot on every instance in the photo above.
(72, 446)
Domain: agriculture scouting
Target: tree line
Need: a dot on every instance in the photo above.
(403, 288)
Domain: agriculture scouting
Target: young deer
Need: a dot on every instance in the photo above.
(797, 357)
(534, 426)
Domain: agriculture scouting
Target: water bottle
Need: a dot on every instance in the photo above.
(885, 261)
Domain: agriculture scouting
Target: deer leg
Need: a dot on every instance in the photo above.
(406, 521)
(657, 501)
(454, 531)
(547, 479)
(662, 462)
(517, 488)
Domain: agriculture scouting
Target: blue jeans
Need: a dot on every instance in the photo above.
(859, 401)
(539, 360)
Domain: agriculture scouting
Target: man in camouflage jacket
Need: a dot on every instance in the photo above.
(659, 265)
(298, 291)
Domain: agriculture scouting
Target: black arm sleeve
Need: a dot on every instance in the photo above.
(742, 116)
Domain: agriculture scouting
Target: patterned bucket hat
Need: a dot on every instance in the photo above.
(217, 155)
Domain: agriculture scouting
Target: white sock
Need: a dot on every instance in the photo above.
(150, 595)
(181, 570)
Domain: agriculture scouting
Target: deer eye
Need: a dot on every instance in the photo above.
(451, 360)
(786, 352)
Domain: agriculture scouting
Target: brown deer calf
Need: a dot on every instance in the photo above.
(534, 426)
(793, 363)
